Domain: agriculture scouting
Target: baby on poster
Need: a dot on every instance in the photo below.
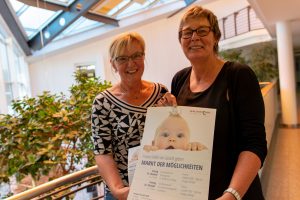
(173, 133)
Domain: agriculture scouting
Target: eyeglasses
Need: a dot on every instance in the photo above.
(201, 31)
(134, 57)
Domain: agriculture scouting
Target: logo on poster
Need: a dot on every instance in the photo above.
(202, 112)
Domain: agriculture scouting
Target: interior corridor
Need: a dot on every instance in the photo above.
(281, 175)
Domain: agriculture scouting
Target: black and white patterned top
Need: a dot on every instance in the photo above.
(118, 126)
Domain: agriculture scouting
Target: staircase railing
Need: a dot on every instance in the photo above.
(63, 186)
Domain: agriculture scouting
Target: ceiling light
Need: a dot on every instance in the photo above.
(47, 34)
(62, 21)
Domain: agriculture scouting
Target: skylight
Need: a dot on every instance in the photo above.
(35, 15)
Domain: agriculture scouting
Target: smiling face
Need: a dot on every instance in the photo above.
(133, 69)
(198, 47)
(173, 133)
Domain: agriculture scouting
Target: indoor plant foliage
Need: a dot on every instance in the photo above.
(49, 132)
(261, 58)
(263, 61)
(233, 55)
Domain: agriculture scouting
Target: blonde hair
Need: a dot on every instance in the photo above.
(197, 12)
(122, 41)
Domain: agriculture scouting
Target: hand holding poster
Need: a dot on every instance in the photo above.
(175, 158)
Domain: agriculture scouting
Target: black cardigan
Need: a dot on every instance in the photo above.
(236, 95)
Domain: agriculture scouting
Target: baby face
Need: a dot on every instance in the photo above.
(172, 134)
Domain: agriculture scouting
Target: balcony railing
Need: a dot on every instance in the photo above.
(239, 22)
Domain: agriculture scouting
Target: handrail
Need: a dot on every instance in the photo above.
(270, 96)
(267, 87)
(46, 187)
(78, 189)
(68, 187)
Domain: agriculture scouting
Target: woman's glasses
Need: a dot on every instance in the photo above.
(134, 57)
(201, 31)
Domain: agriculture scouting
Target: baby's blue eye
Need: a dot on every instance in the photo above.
(180, 135)
(164, 134)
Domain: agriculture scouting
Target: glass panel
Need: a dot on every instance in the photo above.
(4, 62)
(39, 15)
(87, 24)
(16, 5)
(31, 32)
(149, 2)
(8, 92)
(137, 7)
(61, 2)
(131, 9)
(41, 18)
(20, 70)
(80, 25)
(118, 7)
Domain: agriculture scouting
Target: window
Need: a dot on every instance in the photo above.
(89, 69)
(14, 79)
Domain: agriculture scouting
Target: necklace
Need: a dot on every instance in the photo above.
(135, 95)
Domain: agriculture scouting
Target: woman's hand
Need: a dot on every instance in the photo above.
(121, 193)
(167, 100)
(109, 172)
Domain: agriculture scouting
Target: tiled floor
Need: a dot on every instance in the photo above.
(281, 175)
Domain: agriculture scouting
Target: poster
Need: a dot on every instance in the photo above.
(174, 158)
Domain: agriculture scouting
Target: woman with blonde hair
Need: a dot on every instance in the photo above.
(118, 114)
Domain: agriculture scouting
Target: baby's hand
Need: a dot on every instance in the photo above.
(196, 146)
(149, 148)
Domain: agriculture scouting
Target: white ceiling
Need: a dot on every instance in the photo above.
(272, 11)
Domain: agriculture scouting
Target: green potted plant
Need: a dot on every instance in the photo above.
(49, 132)
(262, 58)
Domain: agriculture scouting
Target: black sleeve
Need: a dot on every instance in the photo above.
(249, 112)
(178, 80)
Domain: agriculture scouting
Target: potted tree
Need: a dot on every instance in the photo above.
(50, 132)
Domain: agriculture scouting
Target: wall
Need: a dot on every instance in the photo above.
(55, 73)
(163, 58)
